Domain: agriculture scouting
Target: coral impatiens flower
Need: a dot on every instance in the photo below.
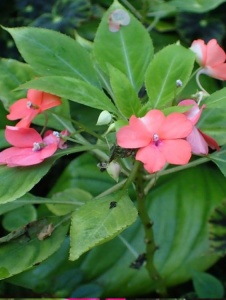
(211, 57)
(160, 139)
(28, 108)
(28, 147)
(198, 140)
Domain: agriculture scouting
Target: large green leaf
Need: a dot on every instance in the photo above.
(217, 99)
(196, 6)
(213, 122)
(172, 63)
(15, 182)
(32, 245)
(99, 220)
(129, 49)
(53, 53)
(179, 206)
(73, 89)
(125, 96)
(12, 74)
(180, 220)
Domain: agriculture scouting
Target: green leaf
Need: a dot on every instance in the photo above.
(12, 74)
(72, 199)
(23, 179)
(32, 246)
(217, 230)
(125, 97)
(196, 6)
(180, 231)
(213, 122)
(219, 158)
(207, 286)
(53, 53)
(73, 89)
(216, 100)
(96, 222)
(129, 49)
(172, 63)
(19, 217)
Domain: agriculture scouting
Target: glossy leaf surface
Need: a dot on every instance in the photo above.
(53, 53)
(73, 89)
(129, 49)
(100, 220)
(29, 248)
(168, 66)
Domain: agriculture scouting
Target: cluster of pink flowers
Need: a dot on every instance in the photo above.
(172, 139)
(28, 147)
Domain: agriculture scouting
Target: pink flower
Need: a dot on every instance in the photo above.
(159, 139)
(198, 140)
(61, 137)
(28, 147)
(28, 108)
(211, 57)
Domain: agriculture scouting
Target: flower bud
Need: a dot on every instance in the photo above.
(104, 118)
(113, 170)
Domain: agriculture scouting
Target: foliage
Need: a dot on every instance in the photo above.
(92, 233)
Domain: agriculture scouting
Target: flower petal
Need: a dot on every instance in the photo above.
(135, 135)
(152, 158)
(153, 120)
(215, 55)
(49, 101)
(176, 125)
(19, 110)
(14, 157)
(197, 142)
(48, 151)
(22, 137)
(35, 97)
(194, 113)
(218, 72)
(199, 48)
(177, 152)
(210, 141)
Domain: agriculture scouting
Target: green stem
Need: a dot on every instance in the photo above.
(76, 149)
(133, 174)
(153, 24)
(149, 234)
(114, 188)
(199, 72)
(179, 168)
(132, 9)
(45, 124)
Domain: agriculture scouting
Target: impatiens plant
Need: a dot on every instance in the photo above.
(142, 145)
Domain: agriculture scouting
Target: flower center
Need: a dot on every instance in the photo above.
(31, 105)
(38, 146)
(156, 139)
